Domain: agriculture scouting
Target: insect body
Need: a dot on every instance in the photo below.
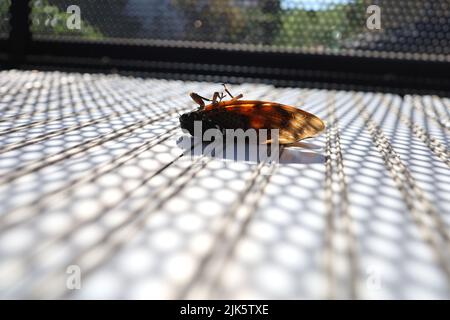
(293, 124)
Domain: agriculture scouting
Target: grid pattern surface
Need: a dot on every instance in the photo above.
(409, 29)
(93, 174)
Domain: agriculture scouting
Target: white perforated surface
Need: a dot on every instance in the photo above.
(92, 174)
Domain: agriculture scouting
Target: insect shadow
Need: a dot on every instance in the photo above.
(300, 152)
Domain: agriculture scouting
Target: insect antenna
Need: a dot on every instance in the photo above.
(227, 91)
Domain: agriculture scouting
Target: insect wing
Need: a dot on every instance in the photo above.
(294, 124)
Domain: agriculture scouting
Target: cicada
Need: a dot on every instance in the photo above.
(293, 123)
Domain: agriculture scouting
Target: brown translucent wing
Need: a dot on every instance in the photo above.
(294, 124)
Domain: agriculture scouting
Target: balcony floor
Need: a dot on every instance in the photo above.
(94, 173)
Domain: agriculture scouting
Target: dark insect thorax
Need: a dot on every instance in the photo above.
(214, 119)
(223, 120)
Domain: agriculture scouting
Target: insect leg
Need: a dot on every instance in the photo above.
(198, 99)
(237, 97)
(228, 91)
(215, 96)
(221, 96)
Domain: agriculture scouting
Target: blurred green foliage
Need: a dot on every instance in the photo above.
(327, 28)
(265, 22)
(225, 21)
(48, 19)
(262, 22)
(108, 16)
(4, 17)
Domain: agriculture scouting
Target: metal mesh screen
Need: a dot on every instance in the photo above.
(410, 29)
(95, 172)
